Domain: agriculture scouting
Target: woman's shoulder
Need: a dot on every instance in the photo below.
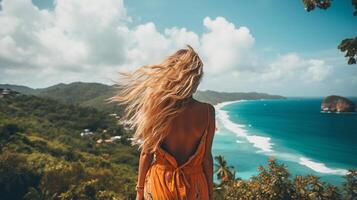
(204, 105)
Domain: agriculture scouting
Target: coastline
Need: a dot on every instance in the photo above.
(265, 146)
(224, 103)
(260, 142)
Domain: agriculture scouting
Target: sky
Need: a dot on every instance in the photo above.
(271, 46)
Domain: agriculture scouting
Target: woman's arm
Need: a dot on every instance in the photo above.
(144, 164)
(208, 160)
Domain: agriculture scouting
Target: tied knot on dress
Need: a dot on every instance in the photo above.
(179, 180)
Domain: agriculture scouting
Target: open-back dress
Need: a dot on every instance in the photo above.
(165, 180)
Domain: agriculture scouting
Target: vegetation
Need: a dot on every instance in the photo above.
(215, 97)
(43, 156)
(77, 93)
(275, 183)
(224, 172)
(348, 45)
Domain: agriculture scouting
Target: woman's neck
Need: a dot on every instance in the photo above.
(186, 101)
(190, 99)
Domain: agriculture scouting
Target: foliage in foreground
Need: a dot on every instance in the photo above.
(275, 183)
(348, 45)
(43, 156)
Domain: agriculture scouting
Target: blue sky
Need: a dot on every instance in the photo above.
(280, 24)
(272, 46)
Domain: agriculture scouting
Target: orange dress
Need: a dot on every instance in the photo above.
(165, 180)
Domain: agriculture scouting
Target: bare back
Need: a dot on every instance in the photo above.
(186, 132)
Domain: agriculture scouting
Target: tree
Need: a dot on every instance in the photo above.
(274, 183)
(15, 176)
(351, 184)
(224, 173)
(348, 45)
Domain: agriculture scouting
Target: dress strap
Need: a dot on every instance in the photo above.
(203, 137)
(208, 118)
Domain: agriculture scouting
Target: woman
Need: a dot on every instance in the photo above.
(175, 131)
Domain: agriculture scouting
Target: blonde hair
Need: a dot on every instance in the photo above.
(155, 94)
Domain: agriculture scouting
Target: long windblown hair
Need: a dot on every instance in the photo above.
(154, 95)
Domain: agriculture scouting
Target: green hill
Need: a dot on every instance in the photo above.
(76, 92)
(19, 88)
(214, 97)
(94, 95)
(43, 155)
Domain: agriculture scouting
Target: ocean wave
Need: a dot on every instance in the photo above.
(338, 113)
(265, 145)
(320, 167)
(222, 104)
(262, 143)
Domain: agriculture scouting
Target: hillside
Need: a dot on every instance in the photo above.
(19, 88)
(76, 92)
(214, 97)
(94, 95)
(44, 156)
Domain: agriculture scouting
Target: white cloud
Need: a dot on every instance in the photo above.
(291, 66)
(225, 47)
(90, 16)
(61, 49)
(317, 70)
(8, 48)
(181, 37)
(77, 39)
(92, 39)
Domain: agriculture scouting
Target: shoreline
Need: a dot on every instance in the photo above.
(260, 142)
(265, 145)
(224, 103)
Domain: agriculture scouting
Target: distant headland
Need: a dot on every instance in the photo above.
(336, 103)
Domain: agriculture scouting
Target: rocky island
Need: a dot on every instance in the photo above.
(337, 104)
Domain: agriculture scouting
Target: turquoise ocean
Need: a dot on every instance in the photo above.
(293, 131)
